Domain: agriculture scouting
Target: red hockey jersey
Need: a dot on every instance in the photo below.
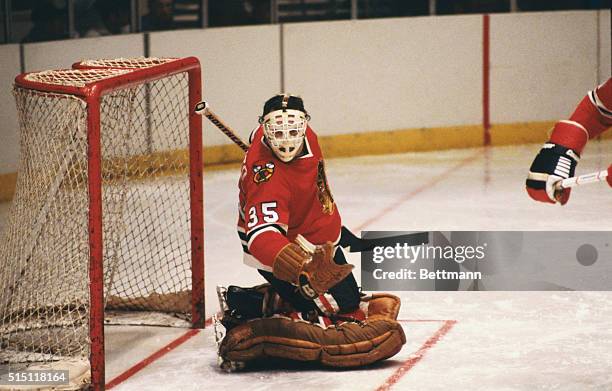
(280, 200)
(592, 116)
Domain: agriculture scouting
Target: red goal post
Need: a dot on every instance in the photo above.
(107, 135)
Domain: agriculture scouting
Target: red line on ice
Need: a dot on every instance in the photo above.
(417, 356)
(423, 320)
(425, 186)
(154, 357)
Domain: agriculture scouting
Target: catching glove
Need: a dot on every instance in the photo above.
(314, 274)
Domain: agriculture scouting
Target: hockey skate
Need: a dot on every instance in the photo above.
(230, 318)
(220, 332)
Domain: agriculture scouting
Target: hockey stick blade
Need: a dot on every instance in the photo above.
(355, 244)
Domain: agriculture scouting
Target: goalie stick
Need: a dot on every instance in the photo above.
(584, 179)
(202, 108)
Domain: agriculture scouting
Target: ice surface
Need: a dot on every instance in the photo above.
(501, 341)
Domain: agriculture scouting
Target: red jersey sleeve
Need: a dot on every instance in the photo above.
(592, 116)
(266, 209)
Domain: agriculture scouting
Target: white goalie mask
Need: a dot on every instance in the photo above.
(284, 131)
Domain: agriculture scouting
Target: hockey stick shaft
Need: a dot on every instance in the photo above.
(586, 178)
(203, 108)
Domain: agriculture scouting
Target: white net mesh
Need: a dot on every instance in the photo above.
(74, 77)
(44, 250)
(126, 63)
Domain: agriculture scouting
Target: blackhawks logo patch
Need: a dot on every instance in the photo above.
(262, 172)
(324, 193)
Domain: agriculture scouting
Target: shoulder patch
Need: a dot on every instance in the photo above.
(324, 193)
(262, 171)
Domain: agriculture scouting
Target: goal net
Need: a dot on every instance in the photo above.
(107, 214)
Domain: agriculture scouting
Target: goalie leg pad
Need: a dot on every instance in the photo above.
(348, 344)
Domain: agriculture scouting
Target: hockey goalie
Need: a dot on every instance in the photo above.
(311, 308)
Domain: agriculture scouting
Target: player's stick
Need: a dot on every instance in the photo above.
(584, 179)
(355, 244)
(203, 108)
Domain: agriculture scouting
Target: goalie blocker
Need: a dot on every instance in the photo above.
(335, 341)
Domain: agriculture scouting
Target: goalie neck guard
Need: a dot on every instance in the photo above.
(284, 120)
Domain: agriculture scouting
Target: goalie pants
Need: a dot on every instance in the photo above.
(345, 294)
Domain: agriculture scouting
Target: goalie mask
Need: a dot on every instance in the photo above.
(284, 120)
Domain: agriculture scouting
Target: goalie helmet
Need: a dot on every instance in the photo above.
(284, 120)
